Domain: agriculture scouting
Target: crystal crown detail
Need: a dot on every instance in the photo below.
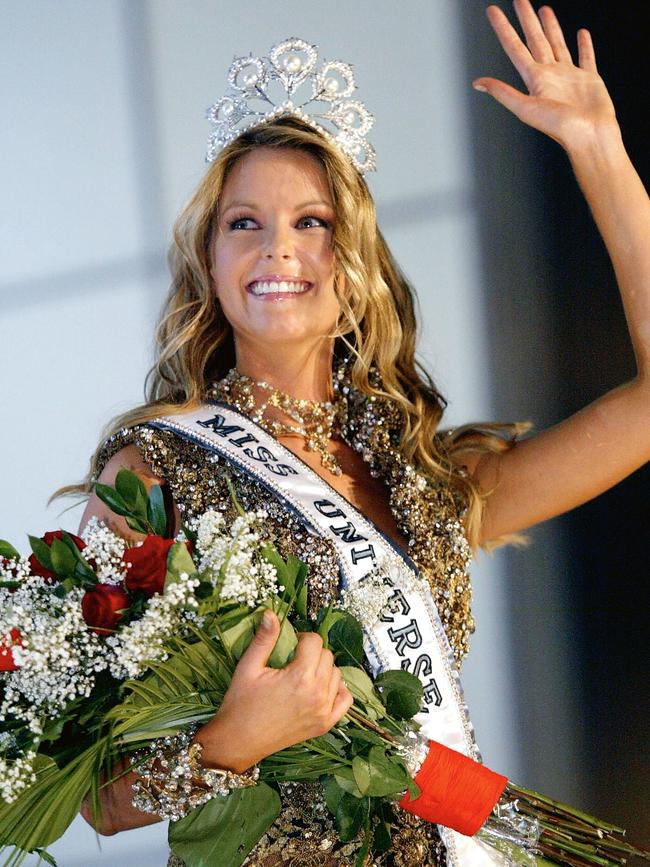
(264, 88)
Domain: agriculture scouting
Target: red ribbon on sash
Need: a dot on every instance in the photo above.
(455, 791)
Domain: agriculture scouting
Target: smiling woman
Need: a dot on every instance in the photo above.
(286, 376)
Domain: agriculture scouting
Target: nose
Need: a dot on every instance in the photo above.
(279, 243)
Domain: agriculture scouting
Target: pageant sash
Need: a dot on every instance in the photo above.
(410, 637)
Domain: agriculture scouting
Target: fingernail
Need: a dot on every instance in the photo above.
(480, 87)
(267, 620)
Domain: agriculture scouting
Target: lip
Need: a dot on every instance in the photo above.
(278, 278)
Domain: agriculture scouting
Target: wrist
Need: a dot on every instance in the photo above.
(597, 144)
(223, 748)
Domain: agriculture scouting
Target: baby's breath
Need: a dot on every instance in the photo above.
(57, 657)
(105, 548)
(230, 557)
(16, 775)
(143, 641)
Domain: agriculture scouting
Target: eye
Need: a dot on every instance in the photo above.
(236, 224)
(318, 220)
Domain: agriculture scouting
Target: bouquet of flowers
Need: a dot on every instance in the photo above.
(105, 649)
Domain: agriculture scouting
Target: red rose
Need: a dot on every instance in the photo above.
(103, 607)
(6, 653)
(148, 565)
(37, 567)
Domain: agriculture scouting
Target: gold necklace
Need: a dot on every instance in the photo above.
(314, 421)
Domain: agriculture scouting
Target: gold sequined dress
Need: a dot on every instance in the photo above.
(427, 513)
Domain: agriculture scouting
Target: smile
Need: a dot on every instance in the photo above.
(283, 287)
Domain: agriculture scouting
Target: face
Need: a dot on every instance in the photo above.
(273, 264)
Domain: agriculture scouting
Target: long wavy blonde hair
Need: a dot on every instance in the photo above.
(377, 324)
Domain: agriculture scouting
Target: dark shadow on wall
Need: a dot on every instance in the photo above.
(558, 341)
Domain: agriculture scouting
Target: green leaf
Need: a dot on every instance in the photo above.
(63, 560)
(325, 620)
(361, 771)
(8, 551)
(44, 811)
(380, 775)
(71, 545)
(44, 855)
(361, 687)
(155, 510)
(137, 524)
(298, 572)
(132, 491)
(382, 840)
(333, 794)
(112, 498)
(350, 816)
(365, 737)
(401, 693)
(345, 780)
(346, 640)
(84, 575)
(238, 637)
(224, 830)
(178, 560)
(271, 555)
(41, 551)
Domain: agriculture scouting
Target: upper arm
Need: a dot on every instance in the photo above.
(566, 465)
(128, 458)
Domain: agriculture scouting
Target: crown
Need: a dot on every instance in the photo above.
(264, 88)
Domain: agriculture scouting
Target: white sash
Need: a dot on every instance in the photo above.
(412, 637)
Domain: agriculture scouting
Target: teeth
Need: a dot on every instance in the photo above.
(264, 287)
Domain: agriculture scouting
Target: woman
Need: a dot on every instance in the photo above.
(281, 232)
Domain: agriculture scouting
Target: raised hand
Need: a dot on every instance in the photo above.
(565, 101)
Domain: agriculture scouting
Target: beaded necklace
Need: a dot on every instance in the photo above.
(314, 421)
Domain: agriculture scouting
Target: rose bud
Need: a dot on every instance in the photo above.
(7, 662)
(147, 565)
(103, 607)
(37, 567)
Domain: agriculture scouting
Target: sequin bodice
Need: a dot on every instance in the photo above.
(429, 516)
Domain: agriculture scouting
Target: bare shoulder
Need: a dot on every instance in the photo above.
(128, 458)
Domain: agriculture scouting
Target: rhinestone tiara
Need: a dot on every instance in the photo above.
(264, 88)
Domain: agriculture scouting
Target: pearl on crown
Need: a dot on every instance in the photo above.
(331, 85)
(292, 63)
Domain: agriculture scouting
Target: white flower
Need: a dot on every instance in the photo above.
(373, 595)
(16, 775)
(58, 658)
(143, 640)
(105, 548)
(230, 557)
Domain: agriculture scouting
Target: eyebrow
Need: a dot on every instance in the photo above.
(256, 207)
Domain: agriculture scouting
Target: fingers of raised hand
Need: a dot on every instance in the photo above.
(509, 39)
(586, 53)
(536, 39)
(554, 35)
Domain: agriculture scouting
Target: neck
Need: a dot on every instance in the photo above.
(304, 372)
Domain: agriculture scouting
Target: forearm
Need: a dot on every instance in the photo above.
(621, 209)
(117, 811)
